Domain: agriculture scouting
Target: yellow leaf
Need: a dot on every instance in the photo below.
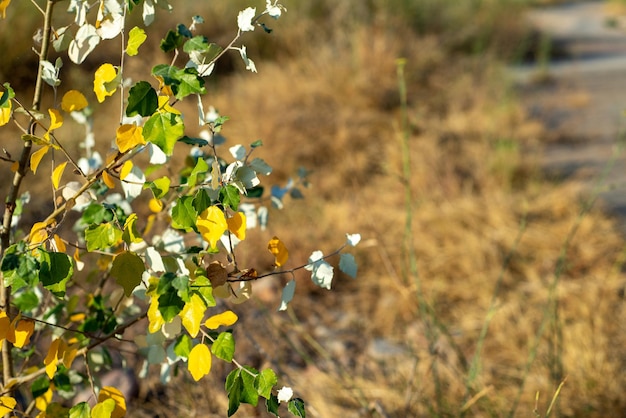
(109, 392)
(130, 229)
(3, 12)
(163, 88)
(38, 233)
(155, 319)
(56, 119)
(51, 358)
(192, 314)
(155, 205)
(57, 173)
(78, 317)
(5, 114)
(67, 353)
(104, 409)
(199, 362)
(23, 332)
(128, 136)
(212, 224)
(104, 74)
(59, 243)
(15, 166)
(79, 264)
(73, 101)
(7, 404)
(42, 402)
(136, 37)
(225, 318)
(36, 158)
(237, 225)
(6, 327)
(108, 180)
(126, 169)
(279, 250)
(164, 105)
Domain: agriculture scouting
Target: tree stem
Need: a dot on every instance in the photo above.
(5, 230)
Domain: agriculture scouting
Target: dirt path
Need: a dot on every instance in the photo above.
(583, 99)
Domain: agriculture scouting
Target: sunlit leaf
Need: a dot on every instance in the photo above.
(183, 346)
(7, 403)
(199, 361)
(5, 113)
(276, 247)
(127, 167)
(23, 332)
(109, 392)
(321, 272)
(102, 236)
(200, 168)
(131, 235)
(296, 407)
(3, 12)
(353, 239)
(265, 381)
(224, 346)
(38, 233)
(224, 319)
(237, 225)
(81, 410)
(155, 319)
(102, 78)
(54, 271)
(136, 37)
(51, 358)
(128, 136)
(57, 173)
(212, 224)
(59, 244)
(163, 129)
(230, 196)
(108, 180)
(36, 158)
(73, 101)
(127, 269)
(7, 331)
(192, 314)
(104, 409)
(85, 41)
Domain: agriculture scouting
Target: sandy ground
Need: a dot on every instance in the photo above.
(581, 96)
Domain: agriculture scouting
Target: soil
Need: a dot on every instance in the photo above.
(580, 96)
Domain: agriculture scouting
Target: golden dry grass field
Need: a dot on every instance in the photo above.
(493, 241)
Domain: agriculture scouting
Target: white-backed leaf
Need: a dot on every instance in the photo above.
(84, 42)
(288, 292)
(347, 264)
(260, 166)
(133, 183)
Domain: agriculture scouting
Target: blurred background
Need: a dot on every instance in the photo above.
(498, 290)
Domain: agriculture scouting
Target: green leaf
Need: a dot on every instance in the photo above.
(265, 381)
(163, 129)
(184, 31)
(184, 214)
(127, 269)
(202, 285)
(142, 100)
(102, 237)
(80, 410)
(183, 345)
(26, 301)
(160, 187)
(136, 37)
(181, 284)
(167, 73)
(170, 304)
(272, 404)
(230, 197)
(224, 346)
(256, 144)
(194, 141)
(7, 95)
(249, 394)
(197, 43)
(96, 214)
(234, 385)
(40, 386)
(296, 407)
(201, 201)
(255, 192)
(189, 82)
(55, 270)
(19, 267)
(201, 168)
(171, 41)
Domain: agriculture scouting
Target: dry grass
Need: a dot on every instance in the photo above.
(331, 105)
